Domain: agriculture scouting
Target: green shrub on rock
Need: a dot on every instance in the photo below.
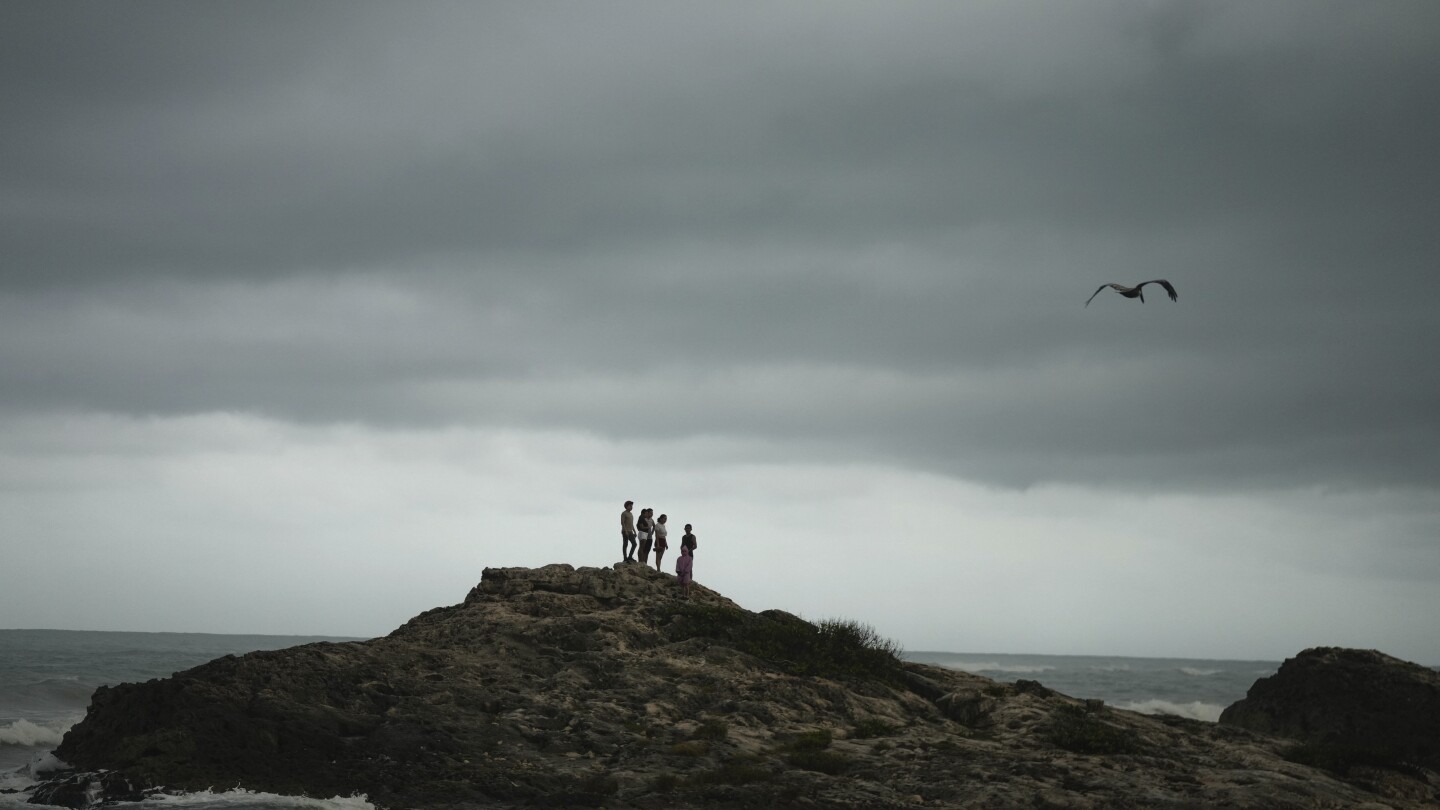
(817, 740)
(835, 648)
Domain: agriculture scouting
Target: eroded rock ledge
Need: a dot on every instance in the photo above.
(587, 687)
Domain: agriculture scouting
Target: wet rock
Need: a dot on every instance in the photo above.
(82, 790)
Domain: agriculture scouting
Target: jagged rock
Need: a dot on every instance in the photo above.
(81, 790)
(587, 687)
(1352, 708)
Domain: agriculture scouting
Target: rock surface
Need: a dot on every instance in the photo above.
(1356, 711)
(600, 687)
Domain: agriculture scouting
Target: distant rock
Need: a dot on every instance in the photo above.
(567, 687)
(1355, 710)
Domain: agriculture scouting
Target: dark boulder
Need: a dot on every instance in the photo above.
(1350, 708)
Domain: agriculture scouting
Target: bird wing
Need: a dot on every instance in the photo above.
(1169, 288)
(1097, 292)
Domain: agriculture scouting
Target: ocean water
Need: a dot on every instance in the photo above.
(47, 677)
(1197, 688)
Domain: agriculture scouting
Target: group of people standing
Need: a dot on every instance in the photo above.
(651, 532)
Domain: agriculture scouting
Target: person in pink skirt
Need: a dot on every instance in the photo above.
(685, 566)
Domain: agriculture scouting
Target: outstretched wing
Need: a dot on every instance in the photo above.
(1169, 288)
(1097, 292)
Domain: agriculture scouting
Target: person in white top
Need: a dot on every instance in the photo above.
(660, 544)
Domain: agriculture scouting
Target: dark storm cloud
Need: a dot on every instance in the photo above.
(840, 226)
(276, 139)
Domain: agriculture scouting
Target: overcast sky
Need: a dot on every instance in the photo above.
(309, 312)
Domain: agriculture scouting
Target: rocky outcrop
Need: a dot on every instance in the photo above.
(1356, 711)
(588, 687)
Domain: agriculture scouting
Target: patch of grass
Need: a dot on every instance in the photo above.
(826, 762)
(835, 648)
(945, 744)
(1075, 729)
(691, 748)
(712, 729)
(810, 741)
(735, 771)
(870, 728)
(664, 783)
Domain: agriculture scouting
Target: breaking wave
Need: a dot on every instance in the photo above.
(240, 799)
(233, 799)
(26, 733)
(977, 667)
(1195, 710)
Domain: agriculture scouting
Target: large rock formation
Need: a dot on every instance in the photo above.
(1355, 710)
(567, 687)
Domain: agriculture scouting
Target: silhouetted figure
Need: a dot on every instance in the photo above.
(627, 532)
(1135, 292)
(646, 527)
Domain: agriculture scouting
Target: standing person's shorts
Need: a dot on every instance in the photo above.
(644, 544)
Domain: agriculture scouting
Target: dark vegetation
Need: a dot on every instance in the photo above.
(1076, 728)
(869, 729)
(1340, 757)
(835, 648)
(739, 770)
(711, 729)
(810, 751)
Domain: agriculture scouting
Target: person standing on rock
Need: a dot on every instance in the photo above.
(685, 566)
(660, 543)
(627, 532)
(646, 525)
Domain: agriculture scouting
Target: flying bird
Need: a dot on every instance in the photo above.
(1136, 291)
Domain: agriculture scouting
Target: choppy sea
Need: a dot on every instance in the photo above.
(47, 677)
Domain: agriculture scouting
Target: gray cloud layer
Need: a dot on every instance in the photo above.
(854, 231)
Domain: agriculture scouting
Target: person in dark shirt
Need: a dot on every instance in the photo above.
(646, 527)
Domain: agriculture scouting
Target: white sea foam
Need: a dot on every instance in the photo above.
(239, 799)
(978, 667)
(1199, 673)
(26, 733)
(234, 799)
(1196, 710)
